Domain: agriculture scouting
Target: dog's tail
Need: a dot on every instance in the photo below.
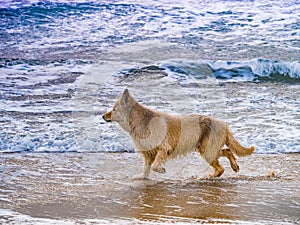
(235, 146)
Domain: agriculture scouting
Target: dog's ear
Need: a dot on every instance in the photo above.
(125, 96)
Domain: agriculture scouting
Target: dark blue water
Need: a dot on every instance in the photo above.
(86, 29)
(62, 64)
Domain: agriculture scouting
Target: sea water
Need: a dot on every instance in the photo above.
(64, 63)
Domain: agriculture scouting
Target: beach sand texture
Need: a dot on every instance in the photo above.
(96, 188)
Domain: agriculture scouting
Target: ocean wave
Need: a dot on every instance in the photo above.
(57, 107)
(256, 70)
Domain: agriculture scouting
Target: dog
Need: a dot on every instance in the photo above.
(160, 136)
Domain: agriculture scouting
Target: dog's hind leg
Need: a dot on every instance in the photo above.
(219, 169)
(159, 159)
(226, 152)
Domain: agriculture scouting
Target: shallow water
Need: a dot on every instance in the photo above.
(63, 64)
(83, 188)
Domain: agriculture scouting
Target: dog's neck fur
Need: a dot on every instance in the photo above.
(136, 114)
(147, 127)
(139, 119)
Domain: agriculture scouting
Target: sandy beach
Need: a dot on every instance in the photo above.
(97, 188)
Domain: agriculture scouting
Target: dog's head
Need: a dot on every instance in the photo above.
(121, 110)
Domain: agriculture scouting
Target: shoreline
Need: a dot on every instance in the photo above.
(85, 187)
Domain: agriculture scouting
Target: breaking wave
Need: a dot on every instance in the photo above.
(257, 70)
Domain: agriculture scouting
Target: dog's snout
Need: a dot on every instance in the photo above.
(106, 119)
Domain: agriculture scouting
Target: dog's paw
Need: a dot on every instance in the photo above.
(213, 176)
(140, 177)
(235, 167)
(159, 169)
(217, 173)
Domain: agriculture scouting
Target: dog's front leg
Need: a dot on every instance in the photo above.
(145, 174)
(147, 167)
(148, 160)
(159, 159)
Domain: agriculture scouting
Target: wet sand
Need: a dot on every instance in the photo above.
(97, 188)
